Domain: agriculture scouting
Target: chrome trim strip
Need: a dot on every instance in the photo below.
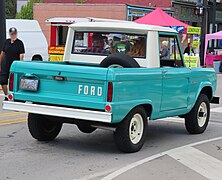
(59, 111)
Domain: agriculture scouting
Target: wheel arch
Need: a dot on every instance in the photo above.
(208, 91)
(119, 113)
(148, 108)
(204, 89)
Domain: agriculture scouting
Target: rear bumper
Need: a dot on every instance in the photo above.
(59, 111)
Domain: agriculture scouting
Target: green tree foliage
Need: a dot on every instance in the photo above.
(10, 8)
(27, 10)
(80, 1)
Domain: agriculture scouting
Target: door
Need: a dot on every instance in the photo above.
(175, 84)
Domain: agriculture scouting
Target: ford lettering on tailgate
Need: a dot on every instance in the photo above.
(90, 90)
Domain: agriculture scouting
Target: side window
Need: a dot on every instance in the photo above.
(170, 55)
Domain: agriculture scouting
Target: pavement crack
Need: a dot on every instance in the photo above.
(15, 132)
(219, 148)
(12, 134)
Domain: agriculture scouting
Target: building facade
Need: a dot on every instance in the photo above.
(184, 11)
(43, 11)
(120, 9)
(149, 3)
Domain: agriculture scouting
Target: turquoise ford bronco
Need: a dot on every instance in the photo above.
(115, 75)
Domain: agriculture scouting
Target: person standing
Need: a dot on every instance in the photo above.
(189, 49)
(13, 49)
(165, 52)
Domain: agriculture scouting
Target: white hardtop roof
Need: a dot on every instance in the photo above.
(120, 26)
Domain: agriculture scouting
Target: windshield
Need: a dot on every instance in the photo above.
(105, 43)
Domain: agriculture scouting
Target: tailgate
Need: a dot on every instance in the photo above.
(61, 84)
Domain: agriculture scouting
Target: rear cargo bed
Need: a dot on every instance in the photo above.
(62, 84)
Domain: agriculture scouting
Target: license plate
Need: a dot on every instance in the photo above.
(29, 84)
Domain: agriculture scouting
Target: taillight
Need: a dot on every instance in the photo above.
(10, 97)
(11, 82)
(110, 92)
(108, 108)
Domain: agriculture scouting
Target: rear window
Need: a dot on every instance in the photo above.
(106, 43)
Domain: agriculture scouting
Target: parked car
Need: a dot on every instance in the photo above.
(118, 88)
(29, 31)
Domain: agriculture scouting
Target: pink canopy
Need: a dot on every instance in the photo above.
(159, 18)
(217, 35)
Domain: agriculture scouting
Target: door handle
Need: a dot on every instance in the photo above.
(164, 71)
(59, 78)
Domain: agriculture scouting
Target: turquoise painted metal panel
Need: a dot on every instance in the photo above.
(133, 87)
(169, 93)
(83, 87)
(175, 88)
(200, 78)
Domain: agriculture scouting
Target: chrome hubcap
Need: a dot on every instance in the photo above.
(136, 128)
(202, 114)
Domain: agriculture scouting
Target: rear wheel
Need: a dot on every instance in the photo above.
(37, 58)
(119, 60)
(42, 128)
(197, 119)
(131, 132)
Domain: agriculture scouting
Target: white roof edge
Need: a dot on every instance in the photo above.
(85, 19)
(122, 26)
(92, 19)
(65, 19)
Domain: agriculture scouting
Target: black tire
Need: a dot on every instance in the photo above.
(42, 128)
(182, 116)
(120, 59)
(37, 58)
(192, 124)
(86, 128)
(121, 134)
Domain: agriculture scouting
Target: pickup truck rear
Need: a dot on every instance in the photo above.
(118, 90)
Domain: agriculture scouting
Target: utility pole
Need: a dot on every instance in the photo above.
(2, 23)
(203, 31)
(213, 19)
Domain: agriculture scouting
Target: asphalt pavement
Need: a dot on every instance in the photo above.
(169, 152)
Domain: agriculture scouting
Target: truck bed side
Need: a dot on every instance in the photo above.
(86, 87)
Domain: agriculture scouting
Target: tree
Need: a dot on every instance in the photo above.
(80, 1)
(10, 9)
(27, 10)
